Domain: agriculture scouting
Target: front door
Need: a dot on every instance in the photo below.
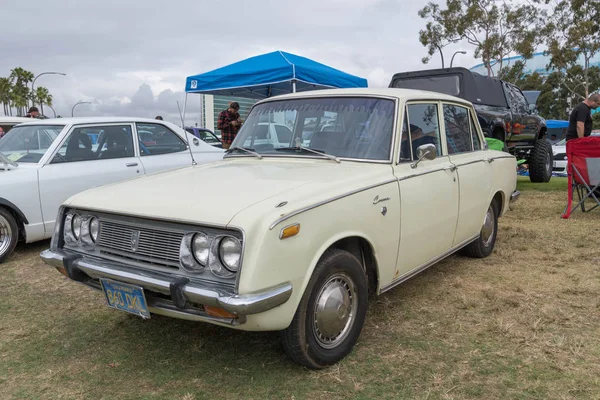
(465, 149)
(428, 192)
(90, 156)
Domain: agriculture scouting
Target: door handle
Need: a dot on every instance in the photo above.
(131, 164)
(490, 160)
(453, 168)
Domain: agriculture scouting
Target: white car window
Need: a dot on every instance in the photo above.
(96, 143)
(29, 143)
(421, 127)
(457, 128)
(157, 139)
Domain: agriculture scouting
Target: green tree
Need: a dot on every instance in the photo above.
(5, 90)
(495, 28)
(20, 93)
(42, 96)
(573, 35)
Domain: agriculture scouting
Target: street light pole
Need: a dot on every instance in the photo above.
(52, 108)
(458, 52)
(79, 102)
(33, 83)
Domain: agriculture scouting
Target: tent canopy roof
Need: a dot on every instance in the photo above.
(270, 74)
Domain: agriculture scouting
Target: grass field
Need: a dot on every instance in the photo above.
(521, 324)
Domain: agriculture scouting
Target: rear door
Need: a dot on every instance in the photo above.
(90, 156)
(161, 149)
(466, 152)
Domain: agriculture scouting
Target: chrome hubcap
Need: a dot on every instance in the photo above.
(487, 232)
(5, 235)
(335, 310)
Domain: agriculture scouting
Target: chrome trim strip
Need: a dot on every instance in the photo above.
(423, 267)
(330, 200)
(469, 163)
(451, 168)
(363, 160)
(160, 282)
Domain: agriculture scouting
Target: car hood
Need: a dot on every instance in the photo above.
(215, 193)
(559, 149)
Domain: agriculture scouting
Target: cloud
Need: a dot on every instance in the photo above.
(133, 56)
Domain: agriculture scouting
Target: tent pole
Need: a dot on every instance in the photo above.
(186, 132)
(201, 110)
(294, 86)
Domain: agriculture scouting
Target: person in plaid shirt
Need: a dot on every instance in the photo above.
(229, 123)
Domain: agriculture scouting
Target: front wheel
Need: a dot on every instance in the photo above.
(9, 234)
(331, 314)
(484, 245)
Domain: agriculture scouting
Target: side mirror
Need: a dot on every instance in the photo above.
(428, 151)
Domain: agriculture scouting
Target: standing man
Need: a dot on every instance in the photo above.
(229, 123)
(33, 113)
(580, 120)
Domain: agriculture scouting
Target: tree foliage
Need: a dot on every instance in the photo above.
(15, 92)
(495, 28)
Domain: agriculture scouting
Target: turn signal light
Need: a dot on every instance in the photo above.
(218, 312)
(289, 231)
(63, 271)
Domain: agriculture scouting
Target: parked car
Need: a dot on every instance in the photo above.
(269, 134)
(46, 161)
(6, 123)
(559, 152)
(206, 135)
(502, 111)
(301, 235)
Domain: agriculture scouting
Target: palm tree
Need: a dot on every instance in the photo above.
(42, 95)
(21, 78)
(5, 90)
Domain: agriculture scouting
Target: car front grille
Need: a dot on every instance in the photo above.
(152, 246)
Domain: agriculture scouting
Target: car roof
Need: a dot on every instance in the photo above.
(401, 94)
(18, 120)
(91, 120)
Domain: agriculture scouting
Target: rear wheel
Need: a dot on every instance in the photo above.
(9, 234)
(331, 314)
(540, 161)
(484, 245)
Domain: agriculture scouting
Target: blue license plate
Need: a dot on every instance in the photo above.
(125, 297)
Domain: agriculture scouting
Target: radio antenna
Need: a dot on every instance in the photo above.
(183, 127)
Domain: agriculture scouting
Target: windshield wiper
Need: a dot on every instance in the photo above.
(5, 162)
(249, 151)
(315, 151)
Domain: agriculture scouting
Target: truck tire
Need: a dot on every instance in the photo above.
(540, 161)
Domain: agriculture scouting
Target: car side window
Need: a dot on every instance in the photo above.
(96, 143)
(458, 129)
(474, 134)
(421, 126)
(155, 139)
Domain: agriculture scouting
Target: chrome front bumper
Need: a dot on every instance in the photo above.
(182, 290)
(514, 196)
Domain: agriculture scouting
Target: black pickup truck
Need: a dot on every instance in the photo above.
(502, 110)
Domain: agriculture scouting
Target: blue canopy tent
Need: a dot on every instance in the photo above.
(270, 74)
(557, 127)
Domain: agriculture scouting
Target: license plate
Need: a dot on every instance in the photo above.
(125, 297)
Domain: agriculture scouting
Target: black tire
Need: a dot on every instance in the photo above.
(303, 340)
(540, 161)
(9, 234)
(484, 245)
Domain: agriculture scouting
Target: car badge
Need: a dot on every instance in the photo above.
(135, 240)
(377, 200)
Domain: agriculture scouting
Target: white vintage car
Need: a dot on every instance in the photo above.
(44, 162)
(301, 235)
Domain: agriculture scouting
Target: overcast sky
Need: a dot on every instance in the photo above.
(131, 57)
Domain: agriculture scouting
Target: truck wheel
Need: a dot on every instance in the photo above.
(540, 161)
(9, 234)
(484, 245)
(331, 314)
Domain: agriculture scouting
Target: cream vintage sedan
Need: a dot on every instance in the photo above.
(296, 238)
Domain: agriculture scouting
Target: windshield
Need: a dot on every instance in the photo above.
(29, 143)
(346, 127)
(562, 142)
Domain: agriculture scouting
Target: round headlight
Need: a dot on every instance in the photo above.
(76, 226)
(201, 248)
(230, 251)
(94, 228)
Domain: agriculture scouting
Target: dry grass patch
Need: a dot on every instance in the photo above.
(520, 324)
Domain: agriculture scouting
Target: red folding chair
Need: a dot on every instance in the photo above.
(583, 168)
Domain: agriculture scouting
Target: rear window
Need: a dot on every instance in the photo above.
(447, 84)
